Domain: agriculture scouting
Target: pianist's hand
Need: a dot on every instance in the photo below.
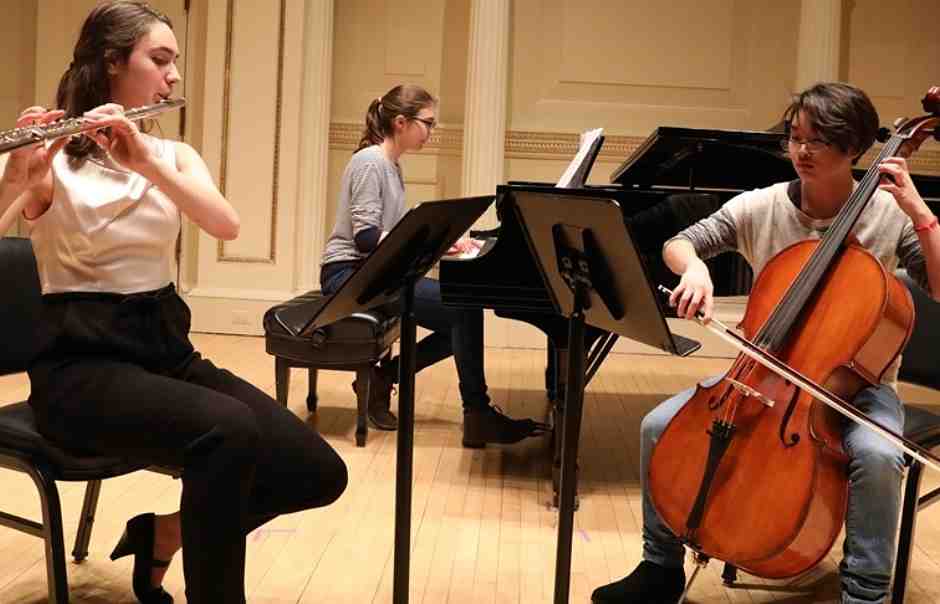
(694, 292)
(464, 245)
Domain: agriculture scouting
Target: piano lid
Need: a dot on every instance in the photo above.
(736, 160)
(708, 159)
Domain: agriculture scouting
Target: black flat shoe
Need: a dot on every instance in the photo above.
(138, 540)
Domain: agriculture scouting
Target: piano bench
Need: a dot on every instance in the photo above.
(355, 343)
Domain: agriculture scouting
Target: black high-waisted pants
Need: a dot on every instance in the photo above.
(119, 376)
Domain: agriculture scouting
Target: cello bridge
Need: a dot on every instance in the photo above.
(748, 391)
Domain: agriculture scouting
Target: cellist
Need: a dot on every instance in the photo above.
(831, 125)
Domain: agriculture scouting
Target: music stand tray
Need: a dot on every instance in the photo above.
(388, 275)
(594, 275)
(413, 246)
(622, 299)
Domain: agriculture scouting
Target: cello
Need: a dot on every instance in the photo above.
(752, 469)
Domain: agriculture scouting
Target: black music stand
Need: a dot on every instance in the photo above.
(594, 275)
(411, 248)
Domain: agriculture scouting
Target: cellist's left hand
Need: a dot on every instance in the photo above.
(902, 187)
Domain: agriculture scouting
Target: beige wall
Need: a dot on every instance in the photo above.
(18, 49)
(628, 66)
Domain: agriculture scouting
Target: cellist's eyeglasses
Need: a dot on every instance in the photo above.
(813, 146)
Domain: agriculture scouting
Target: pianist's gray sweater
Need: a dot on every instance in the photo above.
(371, 194)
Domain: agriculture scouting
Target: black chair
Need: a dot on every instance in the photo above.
(918, 366)
(922, 426)
(355, 343)
(22, 448)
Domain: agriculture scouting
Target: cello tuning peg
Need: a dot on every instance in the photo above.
(882, 135)
(899, 121)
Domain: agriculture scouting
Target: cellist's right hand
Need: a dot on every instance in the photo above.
(694, 292)
(28, 166)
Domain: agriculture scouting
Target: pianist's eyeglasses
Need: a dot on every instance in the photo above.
(430, 123)
(813, 146)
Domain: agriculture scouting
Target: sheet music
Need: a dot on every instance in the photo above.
(587, 139)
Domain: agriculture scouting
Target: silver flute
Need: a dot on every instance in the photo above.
(29, 135)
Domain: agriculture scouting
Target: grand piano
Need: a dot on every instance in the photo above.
(674, 178)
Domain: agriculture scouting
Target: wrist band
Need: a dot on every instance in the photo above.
(927, 226)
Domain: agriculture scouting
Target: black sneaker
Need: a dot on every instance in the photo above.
(490, 425)
(380, 400)
(649, 583)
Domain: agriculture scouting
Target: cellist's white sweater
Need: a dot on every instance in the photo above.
(760, 223)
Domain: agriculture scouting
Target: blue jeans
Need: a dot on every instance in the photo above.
(871, 522)
(455, 332)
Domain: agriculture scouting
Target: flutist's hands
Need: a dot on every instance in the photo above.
(123, 140)
(28, 166)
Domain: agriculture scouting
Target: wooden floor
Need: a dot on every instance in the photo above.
(483, 528)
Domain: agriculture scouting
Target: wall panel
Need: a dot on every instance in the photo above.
(892, 52)
(18, 47)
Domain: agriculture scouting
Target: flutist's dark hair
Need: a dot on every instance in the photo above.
(406, 99)
(108, 37)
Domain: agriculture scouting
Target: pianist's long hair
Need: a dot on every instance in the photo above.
(406, 99)
(108, 36)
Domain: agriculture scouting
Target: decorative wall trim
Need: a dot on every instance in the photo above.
(448, 140)
(563, 145)
(242, 294)
(922, 162)
(226, 101)
(444, 140)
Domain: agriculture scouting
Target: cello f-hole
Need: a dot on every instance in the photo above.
(794, 438)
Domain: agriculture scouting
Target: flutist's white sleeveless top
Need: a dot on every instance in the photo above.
(108, 229)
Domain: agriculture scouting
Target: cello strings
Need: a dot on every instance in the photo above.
(776, 328)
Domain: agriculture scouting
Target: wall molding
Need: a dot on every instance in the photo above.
(221, 254)
(528, 144)
(444, 140)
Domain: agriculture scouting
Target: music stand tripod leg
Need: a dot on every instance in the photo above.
(571, 433)
(405, 449)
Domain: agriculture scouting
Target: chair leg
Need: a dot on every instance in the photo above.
(281, 379)
(362, 404)
(906, 532)
(56, 574)
(87, 520)
(312, 389)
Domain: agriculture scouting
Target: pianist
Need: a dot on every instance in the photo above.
(371, 201)
(831, 126)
